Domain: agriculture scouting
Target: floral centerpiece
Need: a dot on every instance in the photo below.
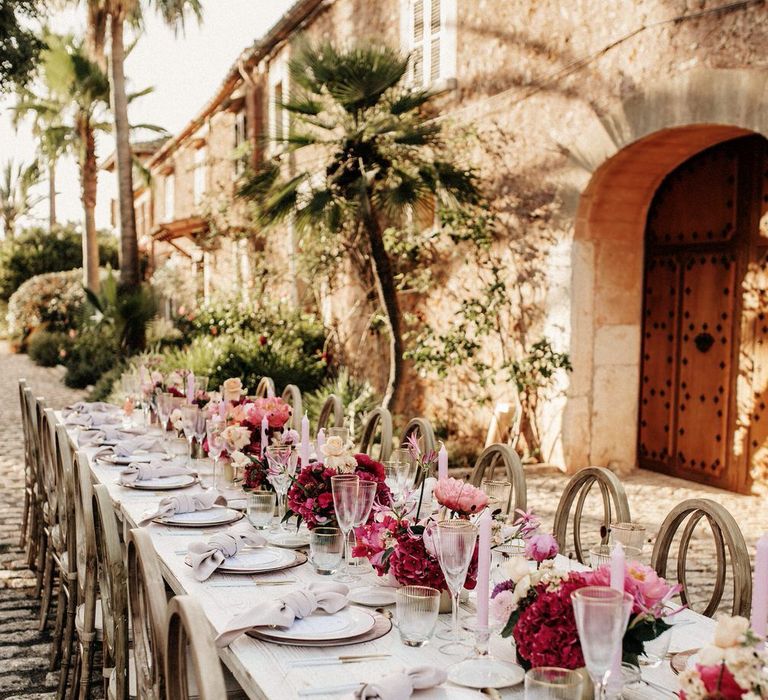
(733, 667)
(310, 498)
(535, 609)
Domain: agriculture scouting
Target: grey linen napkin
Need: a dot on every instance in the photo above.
(89, 437)
(152, 470)
(185, 503)
(400, 686)
(145, 443)
(281, 612)
(206, 557)
(90, 407)
(93, 420)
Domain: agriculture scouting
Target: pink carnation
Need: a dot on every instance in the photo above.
(460, 497)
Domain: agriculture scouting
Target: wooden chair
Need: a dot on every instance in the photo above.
(45, 494)
(490, 458)
(29, 481)
(378, 419)
(190, 638)
(727, 535)
(331, 408)
(265, 388)
(53, 542)
(292, 396)
(576, 490)
(113, 589)
(148, 607)
(422, 428)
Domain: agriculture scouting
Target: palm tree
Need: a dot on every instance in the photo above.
(380, 163)
(78, 82)
(16, 197)
(115, 14)
(51, 134)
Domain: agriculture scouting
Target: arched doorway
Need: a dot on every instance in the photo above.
(701, 236)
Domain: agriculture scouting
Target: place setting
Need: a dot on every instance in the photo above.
(193, 511)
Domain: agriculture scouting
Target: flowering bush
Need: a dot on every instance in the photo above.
(535, 609)
(733, 667)
(310, 497)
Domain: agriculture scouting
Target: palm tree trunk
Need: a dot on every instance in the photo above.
(129, 245)
(89, 183)
(52, 194)
(387, 293)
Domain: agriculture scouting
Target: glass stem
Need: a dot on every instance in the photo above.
(455, 616)
(215, 472)
(347, 552)
(189, 455)
(281, 507)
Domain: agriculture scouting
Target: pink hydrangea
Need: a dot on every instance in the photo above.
(460, 497)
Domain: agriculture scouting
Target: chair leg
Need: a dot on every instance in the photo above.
(76, 672)
(85, 671)
(40, 552)
(47, 591)
(33, 541)
(25, 519)
(58, 631)
(69, 636)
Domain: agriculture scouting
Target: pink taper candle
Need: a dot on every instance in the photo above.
(222, 408)
(320, 441)
(442, 462)
(759, 621)
(190, 387)
(618, 566)
(483, 568)
(305, 440)
(264, 427)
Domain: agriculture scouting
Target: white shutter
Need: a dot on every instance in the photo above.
(417, 43)
(435, 37)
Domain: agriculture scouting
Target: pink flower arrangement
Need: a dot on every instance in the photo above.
(310, 497)
(460, 497)
(541, 547)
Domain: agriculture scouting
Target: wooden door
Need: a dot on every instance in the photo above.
(701, 233)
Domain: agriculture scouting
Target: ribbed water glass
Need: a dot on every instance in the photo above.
(552, 683)
(628, 535)
(416, 610)
(326, 549)
(601, 555)
(261, 509)
(498, 492)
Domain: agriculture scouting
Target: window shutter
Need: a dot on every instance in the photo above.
(417, 52)
(434, 34)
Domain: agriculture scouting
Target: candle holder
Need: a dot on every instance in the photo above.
(481, 670)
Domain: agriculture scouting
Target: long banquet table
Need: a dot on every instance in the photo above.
(265, 670)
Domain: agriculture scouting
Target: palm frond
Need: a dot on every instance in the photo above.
(303, 105)
(313, 212)
(261, 182)
(421, 135)
(409, 101)
(281, 200)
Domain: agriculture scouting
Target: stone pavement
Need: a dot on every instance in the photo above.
(24, 651)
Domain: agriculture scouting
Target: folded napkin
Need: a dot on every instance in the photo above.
(183, 503)
(400, 686)
(91, 407)
(330, 597)
(151, 470)
(206, 557)
(106, 434)
(93, 420)
(145, 443)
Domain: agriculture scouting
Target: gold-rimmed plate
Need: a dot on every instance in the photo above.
(165, 483)
(217, 515)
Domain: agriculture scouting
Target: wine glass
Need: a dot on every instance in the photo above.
(455, 547)
(189, 417)
(338, 431)
(282, 465)
(601, 616)
(214, 429)
(201, 384)
(164, 410)
(366, 497)
(345, 489)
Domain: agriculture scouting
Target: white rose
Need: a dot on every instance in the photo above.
(516, 568)
(233, 389)
(730, 631)
(240, 459)
(521, 589)
(710, 656)
(346, 464)
(333, 447)
(237, 436)
(174, 379)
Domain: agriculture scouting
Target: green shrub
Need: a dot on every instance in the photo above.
(48, 349)
(106, 383)
(53, 300)
(357, 396)
(38, 251)
(93, 352)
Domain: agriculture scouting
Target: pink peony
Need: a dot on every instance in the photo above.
(460, 497)
(277, 411)
(541, 547)
(649, 591)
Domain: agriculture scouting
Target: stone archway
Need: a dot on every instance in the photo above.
(656, 132)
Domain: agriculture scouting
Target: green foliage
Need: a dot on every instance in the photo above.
(106, 383)
(127, 313)
(53, 300)
(19, 47)
(48, 349)
(93, 352)
(357, 397)
(37, 251)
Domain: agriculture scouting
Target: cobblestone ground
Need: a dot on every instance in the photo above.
(24, 651)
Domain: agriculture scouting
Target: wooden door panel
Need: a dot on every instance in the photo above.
(706, 344)
(659, 348)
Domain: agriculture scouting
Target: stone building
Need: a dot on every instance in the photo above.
(622, 144)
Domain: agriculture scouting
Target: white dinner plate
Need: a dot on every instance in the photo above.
(290, 540)
(486, 673)
(217, 515)
(320, 627)
(166, 483)
(447, 692)
(373, 596)
(138, 458)
(260, 559)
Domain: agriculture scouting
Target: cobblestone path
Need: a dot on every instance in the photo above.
(24, 651)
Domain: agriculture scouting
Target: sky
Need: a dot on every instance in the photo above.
(185, 71)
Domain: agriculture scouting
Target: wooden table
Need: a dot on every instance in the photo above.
(264, 670)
